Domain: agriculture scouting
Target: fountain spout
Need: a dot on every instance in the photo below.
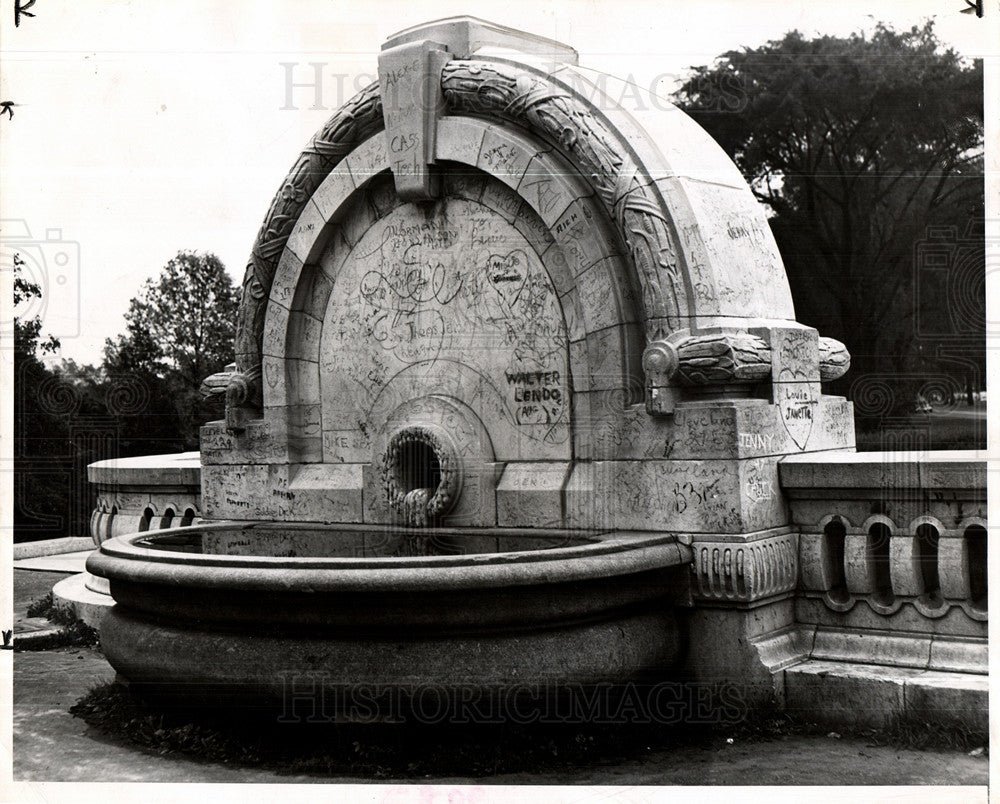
(421, 474)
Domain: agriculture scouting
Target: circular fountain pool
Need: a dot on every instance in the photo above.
(247, 607)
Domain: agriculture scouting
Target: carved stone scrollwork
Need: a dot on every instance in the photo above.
(834, 359)
(499, 90)
(237, 388)
(743, 572)
(556, 115)
(215, 385)
(239, 404)
(723, 358)
(505, 93)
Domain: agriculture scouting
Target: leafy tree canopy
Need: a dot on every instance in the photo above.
(818, 118)
(179, 329)
(863, 147)
(183, 323)
(28, 341)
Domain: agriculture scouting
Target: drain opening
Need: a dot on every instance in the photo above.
(419, 467)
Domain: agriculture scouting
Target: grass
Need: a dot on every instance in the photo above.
(74, 632)
(41, 607)
(381, 750)
(922, 735)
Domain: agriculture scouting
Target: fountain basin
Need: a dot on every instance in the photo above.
(246, 606)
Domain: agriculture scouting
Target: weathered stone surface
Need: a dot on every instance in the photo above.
(859, 614)
(844, 470)
(744, 571)
(725, 646)
(668, 142)
(465, 36)
(904, 557)
(613, 651)
(741, 428)
(868, 695)
(410, 87)
(180, 469)
(784, 648)
(245, 491)
(459, 139)
(685, 495)
(334, 191)
(727, 241)
(530, 494)
(960, 700)
(368, 159)
(306, 493)
(422, 294)
(520, 306)
(819, 567)
(325, 488)
(873, 647)
(957, 655)
(304, 239)
(835, 692)
(907, 507)
(953, 567)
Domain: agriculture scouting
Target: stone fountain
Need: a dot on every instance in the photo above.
(516, 364)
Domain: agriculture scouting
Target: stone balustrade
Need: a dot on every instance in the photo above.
(145, 493)
(891, 541)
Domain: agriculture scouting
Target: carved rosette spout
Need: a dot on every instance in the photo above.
(421, 474)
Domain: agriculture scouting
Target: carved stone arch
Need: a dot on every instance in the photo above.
(270, 272)
(683, 287)
(597, 298)
(503, 93)
(570, 124)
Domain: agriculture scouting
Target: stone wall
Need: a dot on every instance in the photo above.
(145, 493)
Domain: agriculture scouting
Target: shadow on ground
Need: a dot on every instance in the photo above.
(114, 737)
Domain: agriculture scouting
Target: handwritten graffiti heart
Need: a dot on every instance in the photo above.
(796, 399)
(507, 275)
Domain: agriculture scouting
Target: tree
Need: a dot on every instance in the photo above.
(179, 330)
(41, 481)
(143, 398)
(28, 341)
(183, 323)
(862, 147)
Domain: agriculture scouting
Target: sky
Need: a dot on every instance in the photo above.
(143, 128)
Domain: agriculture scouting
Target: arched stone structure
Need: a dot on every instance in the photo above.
(503, 247)
(552, 337)
(697, 242)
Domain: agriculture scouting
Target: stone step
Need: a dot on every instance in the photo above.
(868, 695)
(74, 593)
(50, 547)
(60, 562)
